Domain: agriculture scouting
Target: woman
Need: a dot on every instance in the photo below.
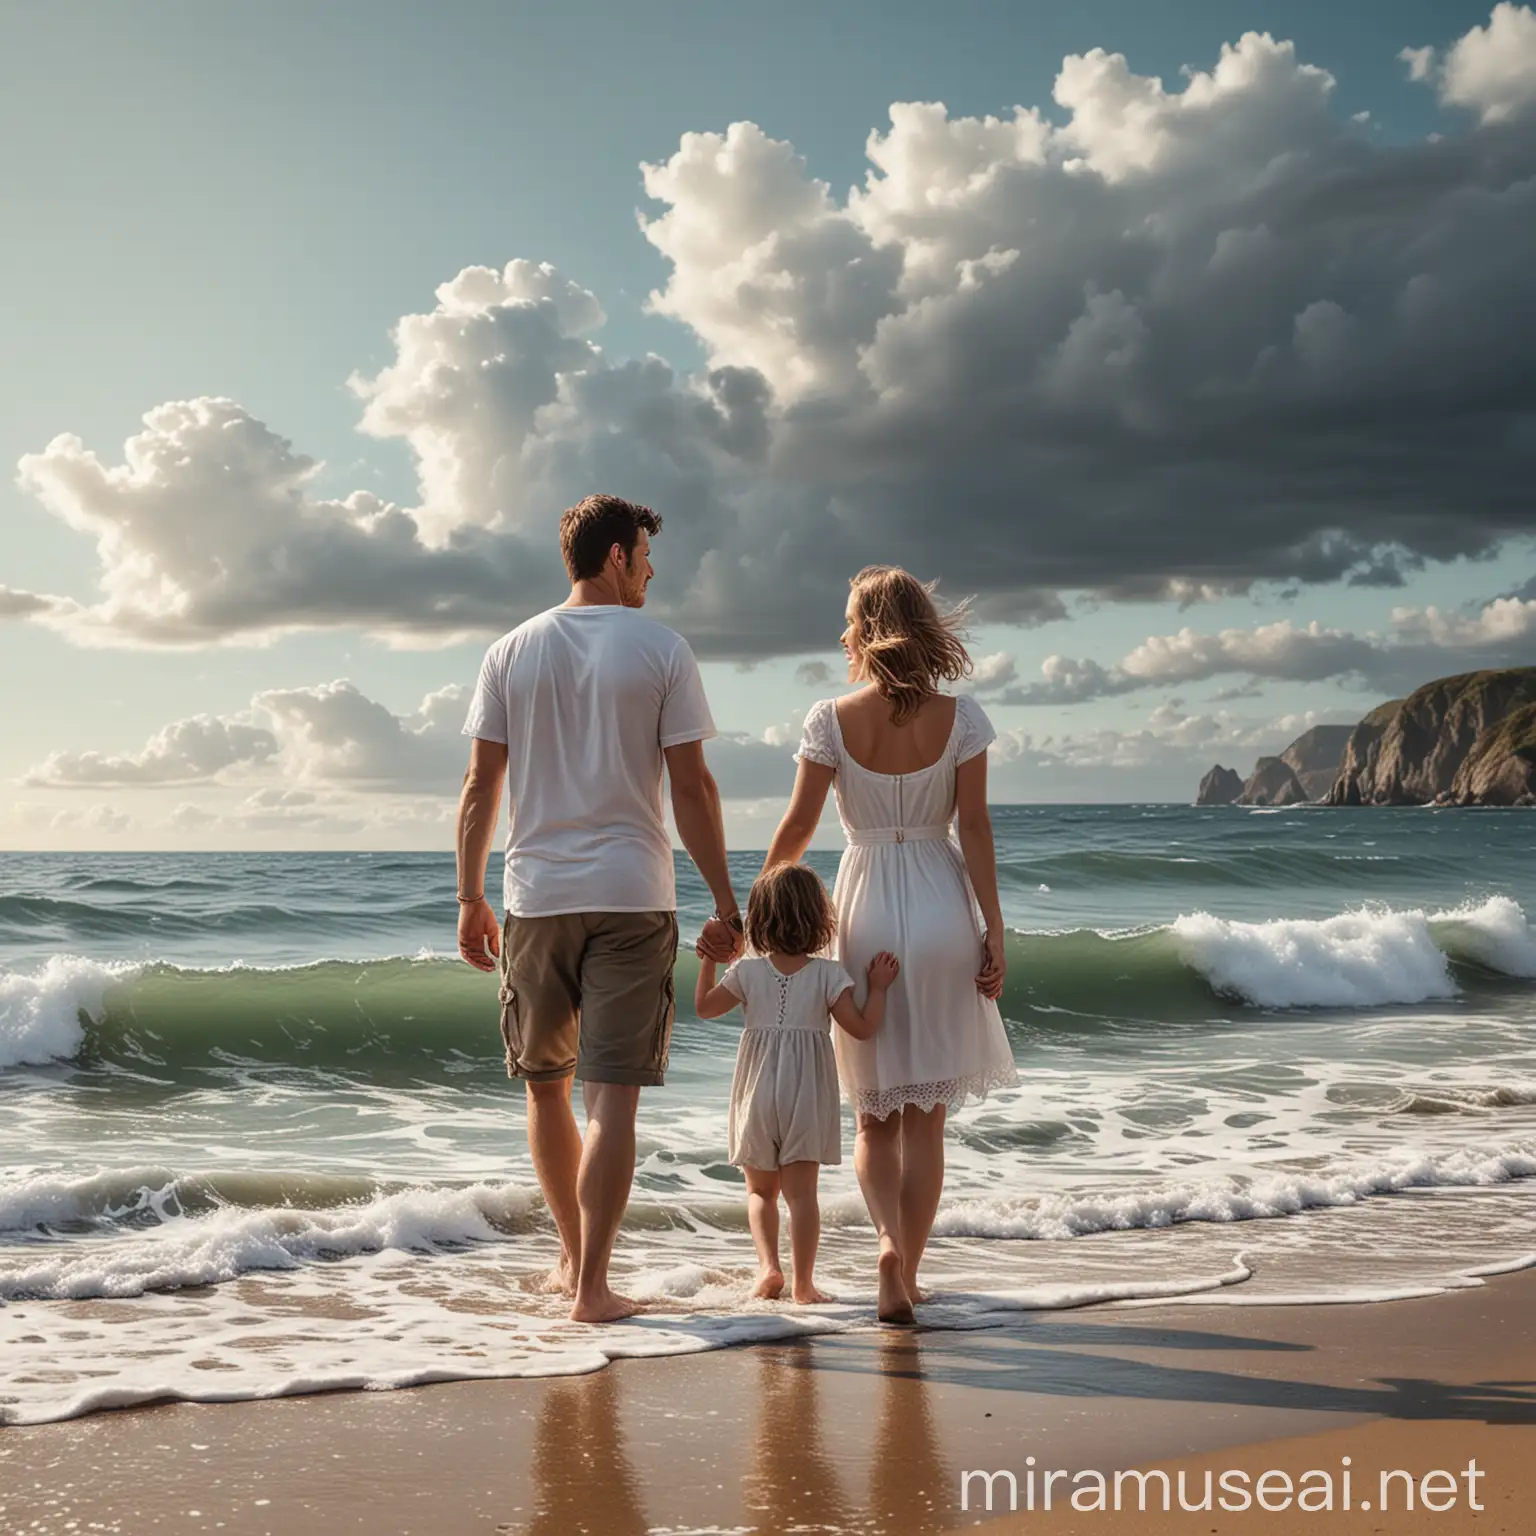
(906, 761)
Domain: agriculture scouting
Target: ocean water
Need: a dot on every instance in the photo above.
(256, 1136)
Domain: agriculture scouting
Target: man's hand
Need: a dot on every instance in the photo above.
(720, 942)
(479, 934)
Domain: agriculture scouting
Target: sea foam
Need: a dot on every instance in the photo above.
(228, 1243)
(1283, 1193)
(1366, 958)
(40, 1013)
(1359, 959)
(1494, 933)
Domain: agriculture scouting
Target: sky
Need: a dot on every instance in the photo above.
(1189, 341)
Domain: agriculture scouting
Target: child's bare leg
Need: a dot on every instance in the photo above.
(799, 1182)
(763, 1218)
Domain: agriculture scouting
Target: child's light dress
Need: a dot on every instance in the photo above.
(784, 1098)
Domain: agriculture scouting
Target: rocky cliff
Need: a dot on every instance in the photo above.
(1315, 757)
(1272, 782)
(1304, 771)
(1221, 786)
(1500, 768)
(1409, 752)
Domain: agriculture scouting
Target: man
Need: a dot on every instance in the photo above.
(578, 709)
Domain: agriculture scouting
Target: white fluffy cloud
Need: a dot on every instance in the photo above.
(330, 734)
(334, 733)
(1491, 70)
(1179, 342)
(1159, 761)
(1422, 642)
(185, 750)
(332, 740)
(207, 531)
(100, 819)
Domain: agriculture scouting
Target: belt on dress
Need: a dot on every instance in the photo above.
(869, 835)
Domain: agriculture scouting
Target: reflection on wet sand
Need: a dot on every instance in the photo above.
(583, 1480)
(783, 1455)
(908, 1491)
(796, 1482)
(793, 1482)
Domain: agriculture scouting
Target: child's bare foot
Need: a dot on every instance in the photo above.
(603, 1306)
(895, 1306)
(808, 1295)
(770, 1285)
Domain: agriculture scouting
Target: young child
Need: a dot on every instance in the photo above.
(784, 1105)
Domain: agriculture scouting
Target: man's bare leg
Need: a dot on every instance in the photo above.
(555, 1143)
(602, 1191)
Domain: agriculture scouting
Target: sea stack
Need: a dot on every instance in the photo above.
(1221, 786)
(1273, 782)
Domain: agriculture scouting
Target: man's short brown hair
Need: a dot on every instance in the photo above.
(594, 525)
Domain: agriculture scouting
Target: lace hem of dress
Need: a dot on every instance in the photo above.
(952, 1092)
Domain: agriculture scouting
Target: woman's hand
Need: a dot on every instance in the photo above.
(479, 935)
(989, 980)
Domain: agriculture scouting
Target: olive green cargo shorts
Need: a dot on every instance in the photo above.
(589, 993)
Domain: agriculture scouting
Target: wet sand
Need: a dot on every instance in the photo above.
(865, 1432)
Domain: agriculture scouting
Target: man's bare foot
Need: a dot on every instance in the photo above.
(809, 1296)
(604, 1307)
(770, 1285)
(895, 1306)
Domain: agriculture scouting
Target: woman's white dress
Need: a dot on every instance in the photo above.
(902, 886)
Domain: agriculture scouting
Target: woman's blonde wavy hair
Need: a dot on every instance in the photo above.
(906, 645)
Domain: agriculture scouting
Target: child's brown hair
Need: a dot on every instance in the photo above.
(789, 912)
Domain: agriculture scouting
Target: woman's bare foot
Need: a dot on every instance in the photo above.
(895, 1306)
(559, 1281)
(603, 1306)
(918, 1295)
(808, 1295)
(770, 1285)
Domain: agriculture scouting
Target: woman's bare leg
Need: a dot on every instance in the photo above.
(877, 1161)
(799, 1184)
(922, 1183)
(763, 1218)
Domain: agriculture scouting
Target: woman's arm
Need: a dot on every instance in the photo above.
(710, 1001)
(980, 854)
(806, 804)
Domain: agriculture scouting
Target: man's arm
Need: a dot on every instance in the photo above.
(696, 809)
(479, 803)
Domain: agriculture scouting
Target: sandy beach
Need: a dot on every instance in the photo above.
(864, 1432)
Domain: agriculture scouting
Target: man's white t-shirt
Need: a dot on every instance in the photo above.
(585, 700)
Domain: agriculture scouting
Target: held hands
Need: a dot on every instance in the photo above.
(989, 980)
(883, 970)
(479, 935)
(719, 942)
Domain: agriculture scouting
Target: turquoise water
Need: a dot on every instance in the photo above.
(1263, 1054)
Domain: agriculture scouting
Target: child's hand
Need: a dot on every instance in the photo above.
(883, 970)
